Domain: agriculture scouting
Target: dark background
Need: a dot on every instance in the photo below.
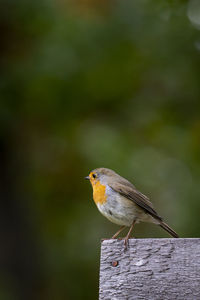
(87, 84)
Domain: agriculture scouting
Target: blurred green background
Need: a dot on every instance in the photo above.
(87, 84)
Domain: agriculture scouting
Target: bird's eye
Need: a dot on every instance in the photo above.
(94, 175)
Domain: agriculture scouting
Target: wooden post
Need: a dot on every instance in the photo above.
(150, 269)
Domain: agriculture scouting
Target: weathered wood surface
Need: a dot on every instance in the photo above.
(150, 269)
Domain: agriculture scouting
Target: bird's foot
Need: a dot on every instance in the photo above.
(125, 244)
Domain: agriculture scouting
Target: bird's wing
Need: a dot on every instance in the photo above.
(137, 197)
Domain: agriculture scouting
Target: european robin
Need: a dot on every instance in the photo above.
(121, 203)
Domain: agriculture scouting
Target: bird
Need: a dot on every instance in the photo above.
(121, 203)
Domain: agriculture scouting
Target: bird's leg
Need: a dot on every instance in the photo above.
(128, 235)
(118, 232)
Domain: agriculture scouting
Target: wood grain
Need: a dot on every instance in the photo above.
(153, 269)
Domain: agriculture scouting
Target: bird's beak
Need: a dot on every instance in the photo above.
(87, 177)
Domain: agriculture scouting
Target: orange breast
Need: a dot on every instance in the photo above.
(99, 193)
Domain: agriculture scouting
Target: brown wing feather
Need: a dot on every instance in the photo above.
(137, 197)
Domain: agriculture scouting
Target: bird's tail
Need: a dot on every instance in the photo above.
(168, 229)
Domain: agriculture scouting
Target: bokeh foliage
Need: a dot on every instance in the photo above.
(86, 84)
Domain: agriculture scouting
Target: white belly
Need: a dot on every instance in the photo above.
(121, 211)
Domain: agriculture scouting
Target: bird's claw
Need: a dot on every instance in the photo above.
(125, 244)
